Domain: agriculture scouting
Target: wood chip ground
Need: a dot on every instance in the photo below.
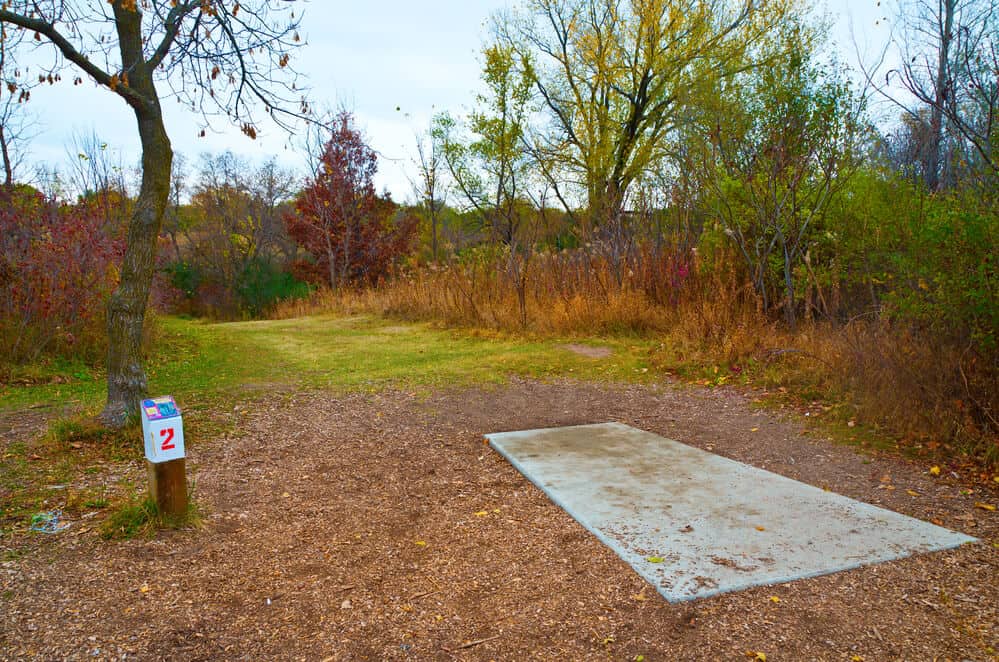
(380, 527)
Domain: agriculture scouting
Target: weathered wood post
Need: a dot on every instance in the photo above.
(163, 436)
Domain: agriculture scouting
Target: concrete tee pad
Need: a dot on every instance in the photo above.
(695, 524)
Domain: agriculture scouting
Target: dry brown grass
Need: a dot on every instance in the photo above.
(919, 389)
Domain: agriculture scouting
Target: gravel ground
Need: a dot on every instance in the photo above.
(352, 528)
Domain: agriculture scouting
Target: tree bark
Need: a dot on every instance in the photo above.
(330, 257)
(433, 229)
(931, 174)
(127, 306)
(8, 169)
(789, 313)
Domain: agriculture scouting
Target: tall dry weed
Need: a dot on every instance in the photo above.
(890, 376)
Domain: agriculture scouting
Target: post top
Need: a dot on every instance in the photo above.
(156, 409)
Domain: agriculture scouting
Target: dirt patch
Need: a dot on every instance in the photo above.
(26, 424)
(381, 527)
(590, 351)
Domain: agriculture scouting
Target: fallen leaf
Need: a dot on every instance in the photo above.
(774, 599)
(935, 471)
(640, 597)
(995, 479)
(856, 658)
(421, 543)
(285, 495)
(912, 493)
(937, 521)
(482, 513)
(755, 430)
(761, 528)
(986, 506)
(144, 588)
(655, 559)
(757, 655)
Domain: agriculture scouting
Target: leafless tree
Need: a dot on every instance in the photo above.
(94, 165)
(430, 185)
(949, 65)
(15, 125)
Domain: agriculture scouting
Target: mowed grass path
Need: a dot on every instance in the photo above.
(203, 363)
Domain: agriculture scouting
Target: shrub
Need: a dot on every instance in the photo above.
(185, 277)
(57, 267)
(262, 284)
(948, 279)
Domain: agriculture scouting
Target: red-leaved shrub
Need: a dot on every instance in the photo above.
(57, 267)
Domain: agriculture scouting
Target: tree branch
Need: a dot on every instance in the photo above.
(72, 54)
(172, 24)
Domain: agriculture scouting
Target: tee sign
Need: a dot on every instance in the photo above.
(162, 429)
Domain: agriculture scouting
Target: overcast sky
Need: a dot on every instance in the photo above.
(394, 63)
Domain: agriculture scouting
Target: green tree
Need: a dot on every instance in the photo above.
(489, 167)
(240, 226)
(784, 143)
(617, 77)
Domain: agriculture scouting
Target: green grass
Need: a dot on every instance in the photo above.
(203, 364)
(137, 515)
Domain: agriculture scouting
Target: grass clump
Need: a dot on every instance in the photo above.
(132, 518)
(138, 516)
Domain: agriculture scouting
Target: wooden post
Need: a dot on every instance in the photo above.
(168, 487)
(163, 440)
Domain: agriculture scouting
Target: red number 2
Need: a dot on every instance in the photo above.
(168, 442)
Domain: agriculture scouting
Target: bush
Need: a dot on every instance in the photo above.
(262, 285)
(948, 279)
(57, 268)
(185, 277)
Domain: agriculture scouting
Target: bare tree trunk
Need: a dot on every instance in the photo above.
(345, 266)
(931, 168)
(433, 229)
(789, 312)
(127, 307)
(8, 169)
(331, 258)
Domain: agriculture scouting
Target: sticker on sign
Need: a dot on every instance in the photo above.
(162, 429)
